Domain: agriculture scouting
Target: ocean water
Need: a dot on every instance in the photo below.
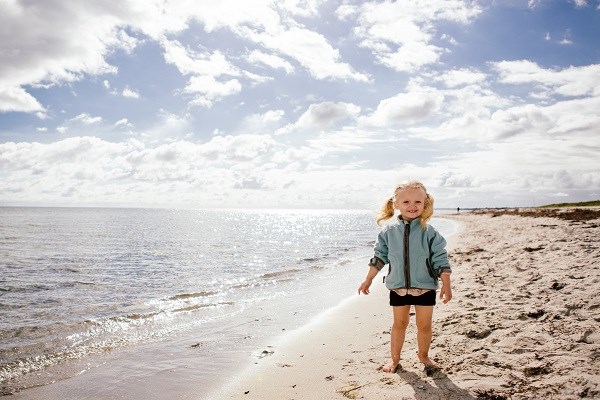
(81, 283)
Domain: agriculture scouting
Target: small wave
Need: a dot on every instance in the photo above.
(245, 285)
(311, 259)
(66, 269)
(201, 306)
(39, 286)
(184, 296)
(85, 283)
(74, 284)
(275, 274)
(134, 317)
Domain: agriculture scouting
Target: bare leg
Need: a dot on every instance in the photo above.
(401, 318)
(423, 317)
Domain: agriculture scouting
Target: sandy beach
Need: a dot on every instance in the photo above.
(523, 323)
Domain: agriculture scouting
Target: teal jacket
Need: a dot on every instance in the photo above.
(416, 256)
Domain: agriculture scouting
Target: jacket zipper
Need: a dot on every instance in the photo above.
(406, 257)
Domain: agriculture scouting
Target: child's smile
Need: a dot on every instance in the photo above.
(410, 202)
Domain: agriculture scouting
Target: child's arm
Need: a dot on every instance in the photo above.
(446, 290)
(364, 287)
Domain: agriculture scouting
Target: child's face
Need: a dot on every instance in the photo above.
(410, 202)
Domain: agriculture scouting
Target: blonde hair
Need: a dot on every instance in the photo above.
(387, 211)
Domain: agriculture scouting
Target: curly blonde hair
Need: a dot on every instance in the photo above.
(387, 211)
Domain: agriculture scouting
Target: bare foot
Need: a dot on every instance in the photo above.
(391, 367)
(429, 363)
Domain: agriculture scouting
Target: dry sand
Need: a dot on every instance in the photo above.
(523, 324)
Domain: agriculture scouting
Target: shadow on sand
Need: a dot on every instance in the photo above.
(444, 388)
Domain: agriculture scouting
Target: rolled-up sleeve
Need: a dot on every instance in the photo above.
(380, 250)
(439, 255)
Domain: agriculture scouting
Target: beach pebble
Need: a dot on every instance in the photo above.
(265, 353)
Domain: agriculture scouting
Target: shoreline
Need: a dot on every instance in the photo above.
(522, 324)
(195, 362)
(197, 357)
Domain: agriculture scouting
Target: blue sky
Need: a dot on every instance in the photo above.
(298, 103)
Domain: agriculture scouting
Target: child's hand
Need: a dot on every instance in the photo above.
(446, 290)
(446, 293)
(364, 287)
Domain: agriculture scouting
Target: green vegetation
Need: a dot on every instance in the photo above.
(580, 204)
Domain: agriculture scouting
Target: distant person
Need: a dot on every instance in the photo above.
(458, 209)
(413, 274)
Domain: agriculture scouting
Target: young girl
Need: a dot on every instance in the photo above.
(417, 259)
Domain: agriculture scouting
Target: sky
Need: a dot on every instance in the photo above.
(298, 103)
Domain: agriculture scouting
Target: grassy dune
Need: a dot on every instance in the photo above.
(580, 204)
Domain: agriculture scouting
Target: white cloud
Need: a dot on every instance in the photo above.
(519, 172)
(239, 148)
(580, 3)
(86, 119)
(460, 77)
(571, 81)
(304, 8)
(270, 60)
(322, 116)
(167, 127)
(208, 89)
(197, 63)
(249, 182)
(566, 40)
(261, 123)
(326, 114)
(345, 11)
(527, 119)
(125, 170)
(346, 140)
(450, 39)
(14, 98)
(400, 34)
(480, 115)
(310, 49)
(226, 169)
(43, 52)
(123, 122)
(453, 179)
(128, 92)
(404, 108)
(205, 68)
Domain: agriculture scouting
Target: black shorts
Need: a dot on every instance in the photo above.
(426, 299)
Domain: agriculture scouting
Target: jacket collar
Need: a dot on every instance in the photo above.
(413, 223)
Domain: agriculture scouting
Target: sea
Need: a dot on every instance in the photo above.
(139, 297)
